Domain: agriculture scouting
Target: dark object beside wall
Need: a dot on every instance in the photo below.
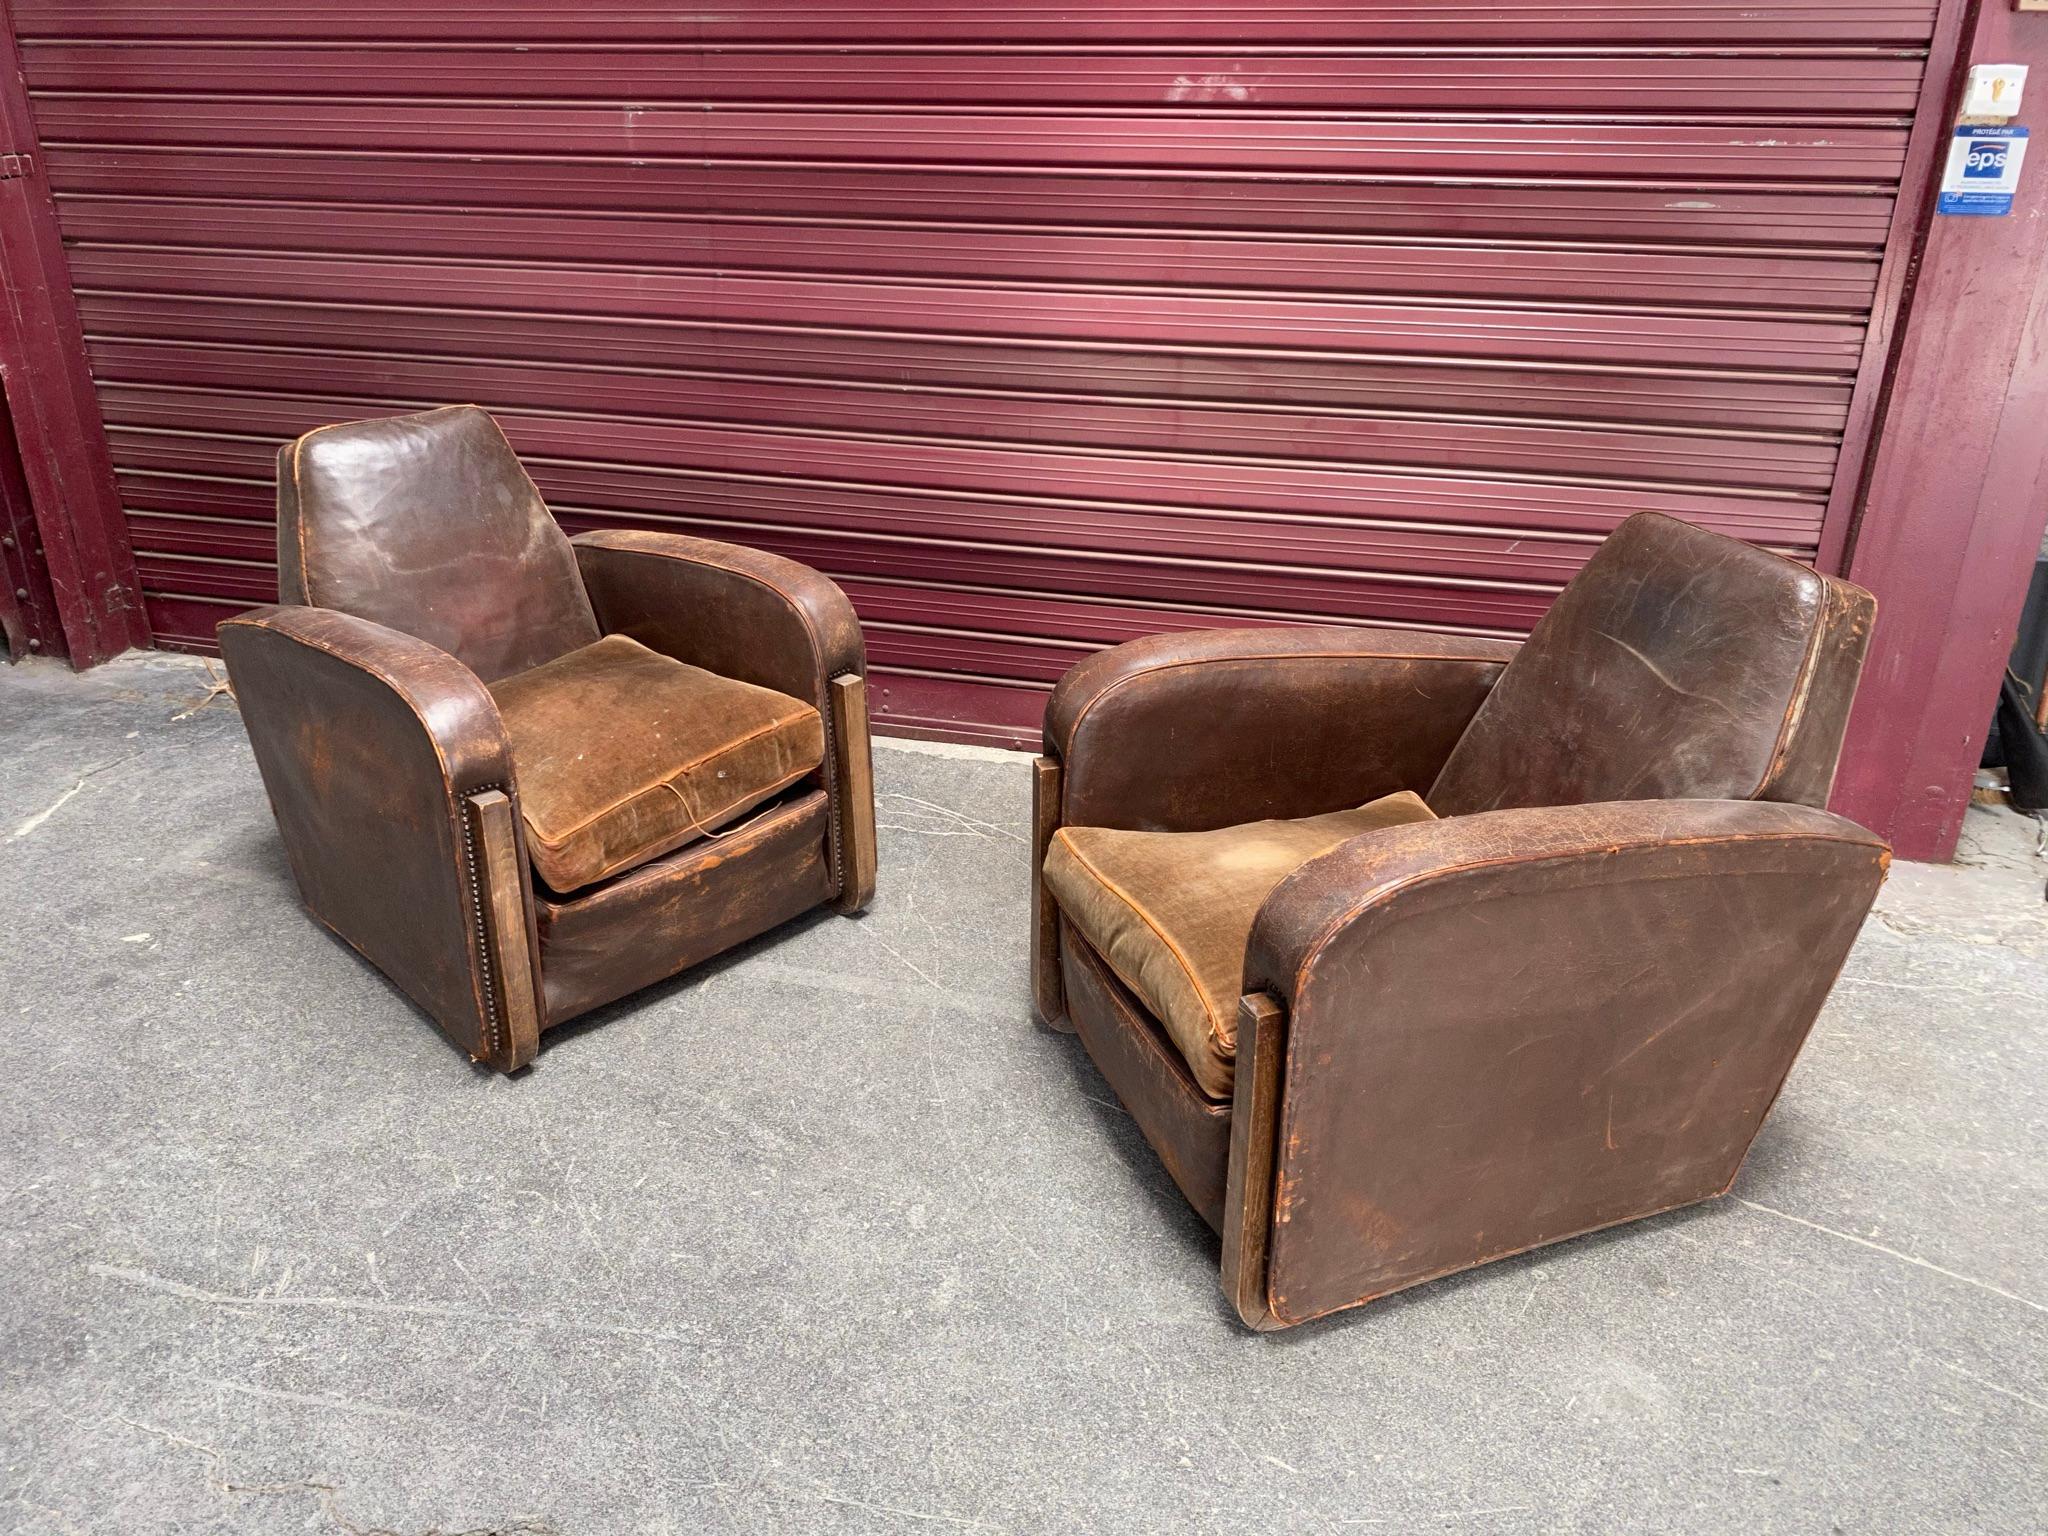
(2017, 740)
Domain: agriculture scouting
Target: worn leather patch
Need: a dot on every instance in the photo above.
(429, 524)
(1678, 665)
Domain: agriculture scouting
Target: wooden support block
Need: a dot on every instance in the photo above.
(1048, 993)
(853, 769)
(514, 986)
(1254, 1142)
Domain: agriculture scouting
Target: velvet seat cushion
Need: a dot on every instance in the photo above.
(623, 754)
(1171, 912)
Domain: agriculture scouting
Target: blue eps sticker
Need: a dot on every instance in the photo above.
(1983, 170)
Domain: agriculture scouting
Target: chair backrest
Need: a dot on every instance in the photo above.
(1678, 665)
(430, 524)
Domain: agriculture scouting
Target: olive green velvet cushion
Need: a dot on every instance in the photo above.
(622, 754)
(1171, 912)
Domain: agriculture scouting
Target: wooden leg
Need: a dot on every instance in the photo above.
(853, 768)
(514, 1039)
(1254, 1135)
(1047, 992)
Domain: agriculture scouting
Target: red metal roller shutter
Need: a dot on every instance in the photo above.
(1039, 327)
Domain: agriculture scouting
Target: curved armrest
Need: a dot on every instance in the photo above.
(1210, 728)
(391, 779)
(1332, 903)
(757, 617)
(1503, 1029)
(742, 613)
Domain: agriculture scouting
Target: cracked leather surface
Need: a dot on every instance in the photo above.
(1678, 663)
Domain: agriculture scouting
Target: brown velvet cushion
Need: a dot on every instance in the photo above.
(623, 754)
(1172, 911)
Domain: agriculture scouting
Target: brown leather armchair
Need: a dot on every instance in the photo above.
(525, 775)
(1409, 952)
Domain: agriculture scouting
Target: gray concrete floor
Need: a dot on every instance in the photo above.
(830, 1237)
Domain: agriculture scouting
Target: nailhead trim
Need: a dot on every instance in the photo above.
(833, 810)
(476, 899)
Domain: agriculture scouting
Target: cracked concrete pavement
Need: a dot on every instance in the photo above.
(829, 1236)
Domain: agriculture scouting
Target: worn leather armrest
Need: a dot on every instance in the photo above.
(1355, 883)
(1211, 728)
(1499, 1030)
(750, 615)
(741, 613)
(374, 747)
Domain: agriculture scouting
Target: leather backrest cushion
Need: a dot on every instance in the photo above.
(1679, 664)
(430, 524)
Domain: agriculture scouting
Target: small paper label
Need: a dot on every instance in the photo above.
(1983, 170)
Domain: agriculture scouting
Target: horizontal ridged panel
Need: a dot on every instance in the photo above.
(1573, 273)
(1038, 327)
(371, 382)
(1461, 148)
(1742, 215)
(1821, 83)
(1234, 21)
(1069, 316)
(946, 490)
(1732, 402)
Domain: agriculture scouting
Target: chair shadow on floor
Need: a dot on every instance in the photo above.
(660, 992)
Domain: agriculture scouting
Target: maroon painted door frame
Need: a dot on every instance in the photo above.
(28, 608)
(1957, 488)
(82, 539)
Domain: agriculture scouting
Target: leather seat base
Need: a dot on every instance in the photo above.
(680, 910)
(1190, 1132)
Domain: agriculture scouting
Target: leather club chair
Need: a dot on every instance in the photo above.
(1407, 952)
(526, 774)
